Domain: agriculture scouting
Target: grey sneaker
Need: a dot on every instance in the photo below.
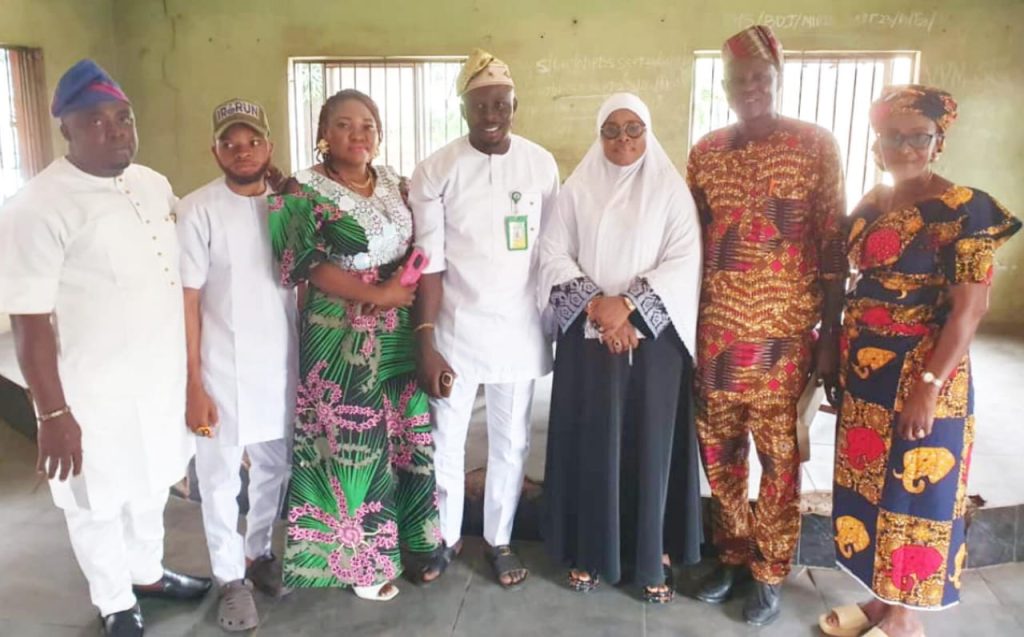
(237, 609)
(265, 574)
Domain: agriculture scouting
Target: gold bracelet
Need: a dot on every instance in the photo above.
(54, 414)
(423, 326)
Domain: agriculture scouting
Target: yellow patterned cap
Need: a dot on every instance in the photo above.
(483, 69)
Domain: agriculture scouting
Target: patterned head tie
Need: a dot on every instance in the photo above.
(756, 42)
(483, 69)
(935, 104)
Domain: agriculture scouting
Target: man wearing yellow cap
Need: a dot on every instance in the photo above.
(478, 204)
(770, 194)
(241, 331)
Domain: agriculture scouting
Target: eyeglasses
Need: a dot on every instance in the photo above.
(918, 141)
(633, 130)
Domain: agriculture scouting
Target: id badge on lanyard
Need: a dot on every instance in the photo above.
(516, 237)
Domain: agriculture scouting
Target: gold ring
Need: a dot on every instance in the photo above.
(617, 344)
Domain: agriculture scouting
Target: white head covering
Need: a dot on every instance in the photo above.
(615, 224)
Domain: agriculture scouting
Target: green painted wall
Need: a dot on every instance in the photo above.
(179, 58)
(66, 30)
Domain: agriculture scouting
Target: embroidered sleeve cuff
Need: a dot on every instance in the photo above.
(650, 310)
(570, 298)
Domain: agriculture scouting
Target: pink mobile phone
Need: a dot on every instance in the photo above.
(414, 266)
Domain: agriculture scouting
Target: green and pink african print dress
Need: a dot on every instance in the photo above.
(363, 471)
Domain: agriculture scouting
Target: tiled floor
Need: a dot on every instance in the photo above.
(42, 593)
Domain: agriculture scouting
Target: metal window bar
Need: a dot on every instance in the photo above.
(5, 86)
(852, 79)
(415, 97)
(10, 155)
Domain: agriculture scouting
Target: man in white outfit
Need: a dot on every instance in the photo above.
(478, 205)
(89, 274)
(240, 325)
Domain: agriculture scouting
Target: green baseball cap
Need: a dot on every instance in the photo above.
(239, 111)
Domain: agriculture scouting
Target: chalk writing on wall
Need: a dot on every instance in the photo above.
(583, 63)
(956, 75)
(784, 21)
(904, 20)
(912, 20)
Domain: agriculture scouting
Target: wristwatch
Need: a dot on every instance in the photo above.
(630, 305)
(932, 379)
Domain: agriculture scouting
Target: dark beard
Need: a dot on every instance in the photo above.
(245, 180)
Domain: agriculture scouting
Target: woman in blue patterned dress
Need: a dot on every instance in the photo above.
(923, 253)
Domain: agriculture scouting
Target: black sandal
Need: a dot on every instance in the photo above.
(439, 562)
(581, 585)
(653, 596)
(505, 562)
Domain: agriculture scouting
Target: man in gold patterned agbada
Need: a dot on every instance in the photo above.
(770, 194)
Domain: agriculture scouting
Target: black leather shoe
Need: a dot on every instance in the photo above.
(126, 623)
(175, 586)
(718, 585)
(763, 604)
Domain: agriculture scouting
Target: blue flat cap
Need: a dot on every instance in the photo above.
(83, 85)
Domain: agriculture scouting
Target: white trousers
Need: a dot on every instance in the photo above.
(217, 468)
(508, 443)
(119, 547)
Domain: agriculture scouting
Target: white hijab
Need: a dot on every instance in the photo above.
(616, 223)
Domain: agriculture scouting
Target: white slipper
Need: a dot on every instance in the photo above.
(373, 593)
(852, 621)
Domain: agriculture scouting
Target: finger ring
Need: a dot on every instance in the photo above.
(920, 433)
(617, 344)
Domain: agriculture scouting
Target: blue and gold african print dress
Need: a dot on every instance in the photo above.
(898, 505)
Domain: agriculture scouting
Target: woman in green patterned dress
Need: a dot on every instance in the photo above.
(363, 474)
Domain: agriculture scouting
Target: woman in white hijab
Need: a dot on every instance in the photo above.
(620, 266)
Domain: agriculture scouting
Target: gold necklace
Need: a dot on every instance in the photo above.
(351, 184)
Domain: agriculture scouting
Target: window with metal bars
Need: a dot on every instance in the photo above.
(833, 89)
(11, 175)
(416, 97)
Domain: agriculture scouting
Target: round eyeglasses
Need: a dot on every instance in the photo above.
(633, 130)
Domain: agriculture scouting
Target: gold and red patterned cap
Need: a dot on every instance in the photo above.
(934, 103)
(755, 42)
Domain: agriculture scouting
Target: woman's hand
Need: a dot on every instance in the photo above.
(621, 340)
(392, 293)
(827, 366)
(918, 415)
(609, 312)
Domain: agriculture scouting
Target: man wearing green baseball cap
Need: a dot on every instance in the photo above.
(240, 326)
